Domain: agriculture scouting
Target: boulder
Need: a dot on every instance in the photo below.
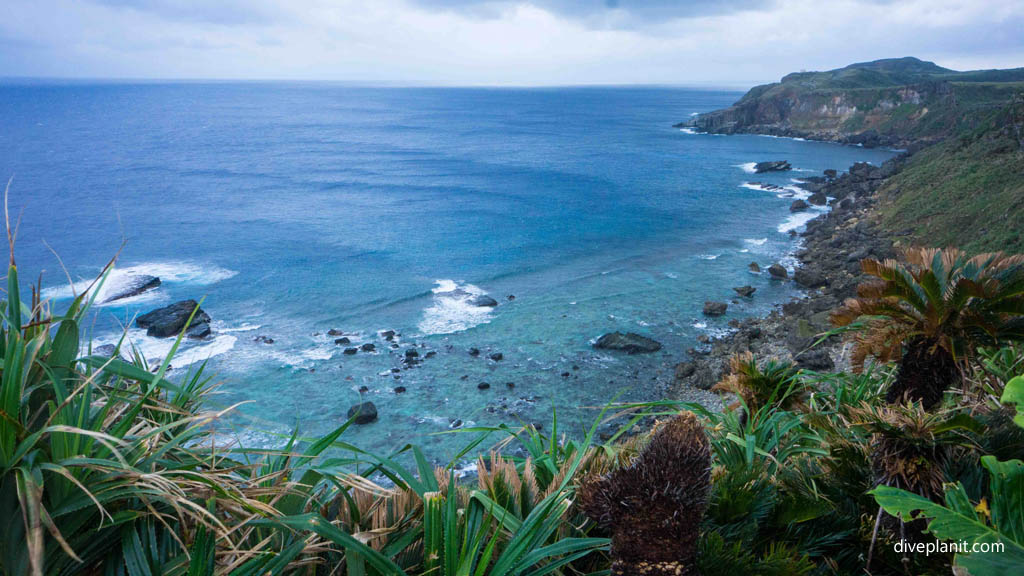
(809, 278)
(202, 330)
(772, 166)
(818, 199)
(334, 332)
(830, 173)
(629, 343)
(351, 351)
(133, 286)
(496, 356)
(778, 271)
(798, 205)
(715, 308)
(755, 268)
(170, 320)
(342, 340)
(364, 413)
(368, 347)
(816, 359)
(483, 300)
(483, 386)
(745, 291)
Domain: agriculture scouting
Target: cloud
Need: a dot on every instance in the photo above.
(504, 42)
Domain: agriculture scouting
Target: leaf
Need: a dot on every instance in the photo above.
(1014, 394)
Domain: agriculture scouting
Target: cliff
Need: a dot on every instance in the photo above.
(901, 102)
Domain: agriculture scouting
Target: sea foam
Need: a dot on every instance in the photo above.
(120, 278)
(451, 309)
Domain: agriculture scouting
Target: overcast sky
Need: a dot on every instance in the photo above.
(532, 42)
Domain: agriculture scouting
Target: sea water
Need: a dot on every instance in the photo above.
(298, 208)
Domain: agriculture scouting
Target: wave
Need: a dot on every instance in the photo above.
(708, 256)
(119, 279)
(756, 241)
(154, 350)
(688, 131)
(747, 167)
(452, 309)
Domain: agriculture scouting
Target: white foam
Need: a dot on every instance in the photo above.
(671, 275)
(748, 167)
(120, 278)
(451, 309)
(797, 220)
(156, 349)
(756, 241)
(708, 256)
(688, 131)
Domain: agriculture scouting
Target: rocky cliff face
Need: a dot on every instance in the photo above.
(901, 103)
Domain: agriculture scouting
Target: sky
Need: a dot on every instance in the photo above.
(733, 43)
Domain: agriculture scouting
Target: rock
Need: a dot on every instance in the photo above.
(772, 166)
(107, 350)
(778, 271)
(412, 353)
(755, 268)
(456, 423)
(399, 389)
(816, 359)
(483, 300)
(388, 335)
(263, 339)
(511, 297)
(483, 386)
(202, 330)
(134, 286)
(684, 370)
(368, 347)
(798, 205)
(830, 173)
(334, 332)
(497, 356)
(474, 352)
(342, 340)
(745, 291)
(351, 351)
(629, 343)
(809, 278)
(170, 320)
(430, 354)
(510, 385)
(715, 308)
(703, 338)
(818, 199)
(364, 413)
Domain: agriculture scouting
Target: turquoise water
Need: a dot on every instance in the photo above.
(298, 208)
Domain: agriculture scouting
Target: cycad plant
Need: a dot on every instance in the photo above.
(773, 384)
(931, 312)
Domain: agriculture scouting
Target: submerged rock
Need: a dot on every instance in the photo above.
(772, 166)
(134, 286)
(629, 343)
(745, 291)
(170, 320)
(364, 412)
(483, 300)
(496, 356)
(715, 308)
(755, 268)
(778, 271)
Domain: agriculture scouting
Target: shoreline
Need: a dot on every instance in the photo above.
(827, 267)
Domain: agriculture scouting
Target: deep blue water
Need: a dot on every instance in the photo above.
(297, 208)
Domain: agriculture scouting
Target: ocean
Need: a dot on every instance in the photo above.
(299, 208)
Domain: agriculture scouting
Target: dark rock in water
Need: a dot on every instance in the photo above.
(430, 354)
(815, 359)
(773, 166)
(351, 351)
(629, 343)
(830, 173)
(399, 389)
(364, 412)
(200, 331)
(135, 285)
(334, 332)
(809, 278)
(263, 339)
(715, 308)
(342, 340)
(745, 291)
(388, 335)
(368, 347)
(364, 388)
(510, 385)
(483, 386)
(755, 268)
(107, 350)
(483, 300)
(456, 423)
(170, 320)
(798, 205)
(497, 356)
(412, 353)
(778, 271)
(818, 199)
(474, 351)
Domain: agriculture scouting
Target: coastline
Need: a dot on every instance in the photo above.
(827, 268)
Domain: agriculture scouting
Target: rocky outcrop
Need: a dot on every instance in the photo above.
(715, 308)
(134, 286)
(772, 166)
(745, 291)
(170, 320)
(778, 271)
(629, 343)
(483, 300)
(364, 413)
(798, 206)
